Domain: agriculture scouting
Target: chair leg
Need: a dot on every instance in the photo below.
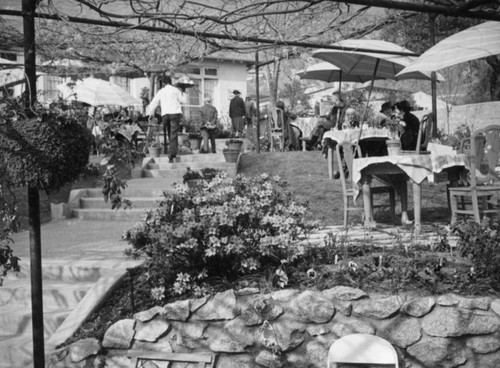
(475, 208)
(454, 208)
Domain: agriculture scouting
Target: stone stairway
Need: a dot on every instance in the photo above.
(65, 285)
(155, 176)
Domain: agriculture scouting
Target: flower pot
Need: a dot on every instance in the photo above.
(182, 139)
(195, 143)
(231, 155)
(154, 151)
(235, 145)
(393, 147)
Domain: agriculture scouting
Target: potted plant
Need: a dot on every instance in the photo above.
(192, 178)
(155, 148)
(234, 144)
(209, 173)
(195, 140)
(394, 143)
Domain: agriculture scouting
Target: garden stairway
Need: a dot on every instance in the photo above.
(146, 187)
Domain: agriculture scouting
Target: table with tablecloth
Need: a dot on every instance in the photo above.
(415, 167)
(355, 135)
(306, 126)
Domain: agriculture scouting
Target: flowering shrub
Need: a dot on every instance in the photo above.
(228, 228)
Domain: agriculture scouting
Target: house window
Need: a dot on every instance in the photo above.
(11, 56)
(123, 82)
(203, 87)
(51, 93)
(211, 71)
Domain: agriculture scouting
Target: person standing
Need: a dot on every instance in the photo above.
(237, 113)
(170, 99)
(208, 116)
(251, 111)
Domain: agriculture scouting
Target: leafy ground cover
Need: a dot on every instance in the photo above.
(404, 268)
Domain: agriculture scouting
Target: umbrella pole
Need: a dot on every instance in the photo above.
(368, 99)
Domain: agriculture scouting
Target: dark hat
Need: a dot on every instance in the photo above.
(403, 106)
(386, 105)
(236, 92)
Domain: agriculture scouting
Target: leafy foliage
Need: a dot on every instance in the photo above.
(481, 243)
(227, 229)
(112, 189)
(41, 147)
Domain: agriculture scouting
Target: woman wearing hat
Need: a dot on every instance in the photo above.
(411, 125)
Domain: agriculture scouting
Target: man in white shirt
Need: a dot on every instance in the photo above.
(170, 99)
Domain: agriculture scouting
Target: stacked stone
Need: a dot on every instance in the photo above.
(292, 328)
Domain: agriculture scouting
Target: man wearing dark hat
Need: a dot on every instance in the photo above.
(237, 113)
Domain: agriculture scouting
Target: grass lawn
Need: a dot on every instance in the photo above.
(307, 176)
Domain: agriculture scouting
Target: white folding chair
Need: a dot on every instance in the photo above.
(362, 350)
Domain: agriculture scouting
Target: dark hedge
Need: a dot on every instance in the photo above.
(47, 151)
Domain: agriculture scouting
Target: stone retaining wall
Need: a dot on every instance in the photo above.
(444, 331)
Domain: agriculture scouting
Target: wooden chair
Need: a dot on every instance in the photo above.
(204, 360)
(484, 180)
(362, 350)
(349, 152)
(276, 130)
(424, 133)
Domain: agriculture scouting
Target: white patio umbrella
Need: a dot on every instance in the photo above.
(365, 65)
(97, 92)
(473, 43)
(371, 65)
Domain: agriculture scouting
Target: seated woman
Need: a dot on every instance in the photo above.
(411, 125)
(333, 120)
(351, 119)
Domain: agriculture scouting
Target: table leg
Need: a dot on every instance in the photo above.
(367, 203)
(403, 195)
(330, 163)
(417, 197)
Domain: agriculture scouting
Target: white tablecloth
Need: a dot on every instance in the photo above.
(352, 135)
(306, 124)
(417, 167)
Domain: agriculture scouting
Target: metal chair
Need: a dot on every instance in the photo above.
(362, 350)
(484, 179)
(349, 151)
(276, 130)
(424, 133)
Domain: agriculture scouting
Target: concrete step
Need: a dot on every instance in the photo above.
(59, 270)
(16, 351)
(130, 192)
(56, 294)
(109, 214)
(175, 174)
(137, 202)
(17, 321)
(207, 158)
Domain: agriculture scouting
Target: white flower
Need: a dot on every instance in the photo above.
(311, 273)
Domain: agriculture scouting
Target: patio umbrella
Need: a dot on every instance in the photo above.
(370, 65)
(97, 92)
(473, 43)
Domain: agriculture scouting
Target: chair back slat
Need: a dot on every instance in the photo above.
(485, 153)
(350, 151)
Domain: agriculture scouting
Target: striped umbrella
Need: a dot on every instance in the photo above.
(473, 43)
(97, 92)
